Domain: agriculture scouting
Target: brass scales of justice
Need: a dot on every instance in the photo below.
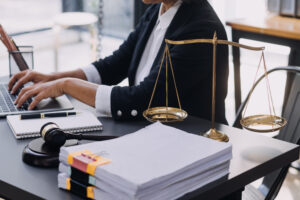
(258, 123)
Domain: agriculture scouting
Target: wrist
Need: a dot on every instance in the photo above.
(63, 85)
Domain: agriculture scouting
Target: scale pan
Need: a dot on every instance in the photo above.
(263, 123)
(165, 114)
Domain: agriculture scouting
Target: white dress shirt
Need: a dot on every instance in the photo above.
(102, 101)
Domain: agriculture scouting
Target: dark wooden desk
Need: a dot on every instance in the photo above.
(273, 29)
(254, 156)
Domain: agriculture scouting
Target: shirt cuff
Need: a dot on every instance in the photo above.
(91, 74)
(102, 101)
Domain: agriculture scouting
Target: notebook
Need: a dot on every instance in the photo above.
(84, 121)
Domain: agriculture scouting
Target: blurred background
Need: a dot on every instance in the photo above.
(35, 22)
(31, 22)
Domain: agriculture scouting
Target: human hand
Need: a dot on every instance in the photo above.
(26, 76)
(40, 91)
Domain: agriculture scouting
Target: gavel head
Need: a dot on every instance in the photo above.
(53, 135)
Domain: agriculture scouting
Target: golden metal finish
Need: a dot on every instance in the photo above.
(165, 114)
(254, 123)
(263, 123)
(213, 107)
(211, 41)
(216, 135)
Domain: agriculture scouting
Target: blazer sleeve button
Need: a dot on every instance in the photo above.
(134, 113)
(119, 113)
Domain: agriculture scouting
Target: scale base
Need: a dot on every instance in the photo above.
(38, 154)
(216, 135)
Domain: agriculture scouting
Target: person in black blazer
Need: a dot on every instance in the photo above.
(192, 68)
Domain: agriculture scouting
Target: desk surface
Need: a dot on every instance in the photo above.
(279, 26)
(253, 157)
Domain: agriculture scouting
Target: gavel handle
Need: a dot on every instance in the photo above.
(81, 136)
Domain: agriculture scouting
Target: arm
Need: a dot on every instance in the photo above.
(82, 90)
(113, 69)
(26, 76)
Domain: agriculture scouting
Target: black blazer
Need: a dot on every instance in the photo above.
(192, 65)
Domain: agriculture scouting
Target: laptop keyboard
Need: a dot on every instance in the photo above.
(7, 100)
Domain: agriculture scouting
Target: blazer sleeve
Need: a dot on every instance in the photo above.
(191, 63)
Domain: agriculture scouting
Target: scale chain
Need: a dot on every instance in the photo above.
(172, 70)
(155, 85)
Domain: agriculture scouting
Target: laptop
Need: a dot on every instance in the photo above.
(7, 106)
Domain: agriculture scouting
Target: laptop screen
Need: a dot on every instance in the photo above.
(13, 49)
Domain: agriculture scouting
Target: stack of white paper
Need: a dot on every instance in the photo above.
(156, 162)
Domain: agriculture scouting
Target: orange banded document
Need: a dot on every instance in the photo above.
(80, 189)
(86, 161)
